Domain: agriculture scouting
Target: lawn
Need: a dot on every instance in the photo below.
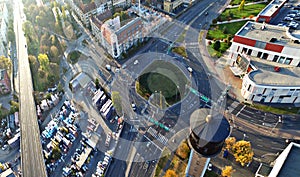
(238, 2)
(217, 31)
(210, 174)
(213, 53)
(162, 76)
(276, 110)
(180, 51)
(235, 13)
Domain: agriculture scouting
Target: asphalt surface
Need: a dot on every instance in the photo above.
(32, 160)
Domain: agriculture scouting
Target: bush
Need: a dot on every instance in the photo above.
(217, 45)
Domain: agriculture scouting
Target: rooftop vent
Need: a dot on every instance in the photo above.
(276, 68)
(296, 42)
(273, 39)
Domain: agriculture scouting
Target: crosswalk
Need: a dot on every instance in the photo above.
(157, 136)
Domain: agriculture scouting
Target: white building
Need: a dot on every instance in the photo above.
(268, 42)
(117, 39)
(271, 83)
(3, 31)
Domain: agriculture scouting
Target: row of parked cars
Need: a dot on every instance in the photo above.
(290, 19)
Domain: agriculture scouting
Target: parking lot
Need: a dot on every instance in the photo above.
(289, 15)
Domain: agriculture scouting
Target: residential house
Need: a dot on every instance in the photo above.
(4, 82)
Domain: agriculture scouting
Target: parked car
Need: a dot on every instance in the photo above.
(108, 67)
(291, 15)
(297, 18)
(133, 106)
(4, 147)
(288, 19)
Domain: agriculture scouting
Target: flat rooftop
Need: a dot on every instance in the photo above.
(266, 75)
(288, 162)
(271, 8)
(267, 33)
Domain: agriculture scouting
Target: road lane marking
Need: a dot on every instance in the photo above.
(241, 110)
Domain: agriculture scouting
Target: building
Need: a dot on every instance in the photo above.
(271, 83)
(171, 5)
(85, 11)
(209, 129)
(4, 82)
(267, 42)
(3, 37)
(197, 165)
(270, 11)
(117, 39)
(286, 164)
(97, 21)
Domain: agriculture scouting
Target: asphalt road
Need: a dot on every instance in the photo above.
(32, 160)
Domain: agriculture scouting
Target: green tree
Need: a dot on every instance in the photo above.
(242, 152)
(242, 5)
(97, 83)
(5, 63)
(56, 153)
(217, 45)
(44, 61)
(117, 102)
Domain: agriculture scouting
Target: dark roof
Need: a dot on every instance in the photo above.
(291, 165)
(87, 7)
(209, 126)
(264, 169)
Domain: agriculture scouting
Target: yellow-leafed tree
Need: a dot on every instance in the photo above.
(230, 142)
(227, 171)
(170, 173)
(242, 5)
(242, 152)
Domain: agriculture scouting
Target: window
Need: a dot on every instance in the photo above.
(249, 87)
(281, 59)
(259, 54)
(249, 52)
(265, 56)
(288, 61)
(244, 50)
(275, 58)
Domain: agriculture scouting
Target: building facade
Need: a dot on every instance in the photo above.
(170, 5)
(117, 39)
(272, 85)
(267, 42)
(85, 11)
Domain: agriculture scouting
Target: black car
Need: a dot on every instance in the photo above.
(297, 18)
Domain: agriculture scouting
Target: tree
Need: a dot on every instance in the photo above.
(242, 152)
(56, 153)
(97, 83)
(54, 54)
(44, 61)
(170, 173)
(5, 63)
(242, 5)
(227, 171)
(34, 65)
(230, 142)
(217, 45)
(183, 150)
(117, 102)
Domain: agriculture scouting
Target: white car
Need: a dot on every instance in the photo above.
(4, 147)
(108, 67)
(136, 62)
(190, 69)
(288, 19)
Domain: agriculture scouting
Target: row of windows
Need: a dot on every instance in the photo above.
(276, 58)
